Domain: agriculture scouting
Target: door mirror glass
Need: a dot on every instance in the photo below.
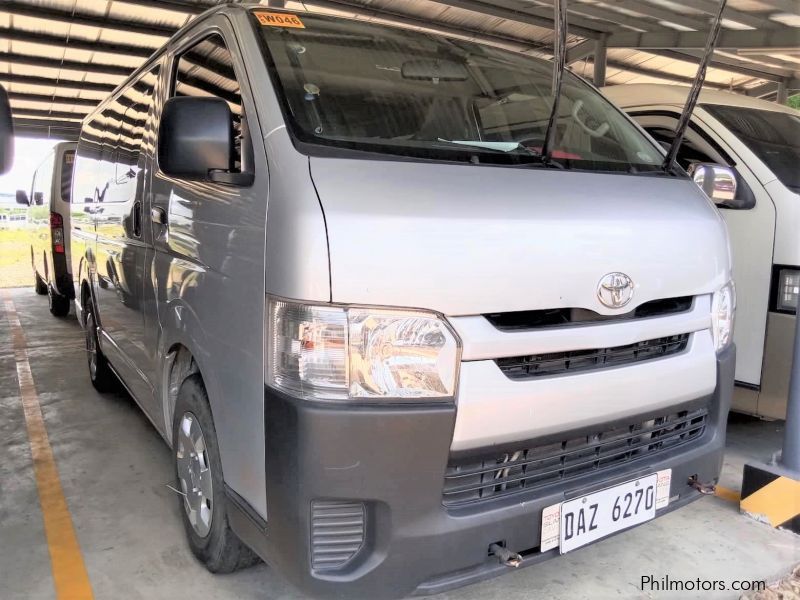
(6, 133)
(723, 185)
(195, 137)
(22, 197)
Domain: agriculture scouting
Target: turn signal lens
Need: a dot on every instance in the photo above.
(723, 310)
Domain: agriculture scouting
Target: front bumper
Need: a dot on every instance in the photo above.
(393, 460)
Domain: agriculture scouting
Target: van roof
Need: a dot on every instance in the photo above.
(647, 94)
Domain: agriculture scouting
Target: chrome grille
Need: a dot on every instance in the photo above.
(477, 479)
(572, 361)
(337, 532)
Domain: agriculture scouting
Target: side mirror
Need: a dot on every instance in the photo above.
(196, 141)
(22, 198)
(723, 185)
(6, 133)
(38, 198)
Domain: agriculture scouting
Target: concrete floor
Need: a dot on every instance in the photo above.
(113, 468)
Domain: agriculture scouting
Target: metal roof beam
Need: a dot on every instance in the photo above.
(580, 51)
(612, 16)
(711, 7)
(663, 14)
(53, 14)
(788, 6)
(48, 128)
(18, 35)
(771, 61)
(764, 90)
(55, 63)
(539, 17)
(727, 63)
(49, 98)
(660, 74)
(68, 84)
(574, 22)
(47, 114)
(728, 38)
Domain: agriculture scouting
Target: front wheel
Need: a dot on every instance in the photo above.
(103, 378)
(200, 483)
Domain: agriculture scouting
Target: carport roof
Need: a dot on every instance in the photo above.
(59, 58)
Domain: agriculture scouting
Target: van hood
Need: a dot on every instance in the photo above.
(471, 239)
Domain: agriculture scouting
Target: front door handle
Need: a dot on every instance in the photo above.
(158, 215)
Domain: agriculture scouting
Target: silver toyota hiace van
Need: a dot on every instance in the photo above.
(396, 343)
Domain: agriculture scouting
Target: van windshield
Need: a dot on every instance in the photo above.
(774, 137)
(387, 90)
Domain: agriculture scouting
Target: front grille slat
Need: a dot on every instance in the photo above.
(473, 480)
(572, 361)
(565, 455)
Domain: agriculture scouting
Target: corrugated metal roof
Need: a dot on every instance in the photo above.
(58, 58)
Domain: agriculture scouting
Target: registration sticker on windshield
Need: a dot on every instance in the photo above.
(271, 19)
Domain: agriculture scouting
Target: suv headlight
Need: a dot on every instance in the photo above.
(326, 352)
(723, 310)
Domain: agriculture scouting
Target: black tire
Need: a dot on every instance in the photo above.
(101, 375)
(39, 285)
(59, 305)
(220, 550)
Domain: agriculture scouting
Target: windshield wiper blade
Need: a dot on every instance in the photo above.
(694, 93)
(559, 63)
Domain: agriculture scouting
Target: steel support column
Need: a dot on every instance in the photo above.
(599, 77)
(783, 92)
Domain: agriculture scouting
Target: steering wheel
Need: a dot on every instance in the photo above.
(600, 131)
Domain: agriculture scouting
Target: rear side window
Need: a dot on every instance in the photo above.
(206, 70)
(66, 174)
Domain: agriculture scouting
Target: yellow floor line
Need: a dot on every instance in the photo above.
(70, 578)
(727, 494)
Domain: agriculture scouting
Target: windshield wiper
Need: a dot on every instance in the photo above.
(559, 61)
(508, 148)
(694, 93)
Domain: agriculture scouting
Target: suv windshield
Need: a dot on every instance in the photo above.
(772, 136)
(388, 90)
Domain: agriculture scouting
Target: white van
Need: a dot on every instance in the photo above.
(395, 346)
(48, 216)
(761, 141)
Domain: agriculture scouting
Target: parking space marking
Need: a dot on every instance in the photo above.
(70, 578)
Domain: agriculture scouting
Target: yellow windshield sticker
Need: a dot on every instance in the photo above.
(271, 19)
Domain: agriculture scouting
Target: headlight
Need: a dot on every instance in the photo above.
(723, 309)
(320, 352)
(788, 290)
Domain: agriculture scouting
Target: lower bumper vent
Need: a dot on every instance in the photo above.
(337, 532)
(482, 478)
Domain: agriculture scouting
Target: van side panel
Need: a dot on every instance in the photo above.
(207, 274)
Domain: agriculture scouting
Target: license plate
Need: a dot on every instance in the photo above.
(594, 516)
